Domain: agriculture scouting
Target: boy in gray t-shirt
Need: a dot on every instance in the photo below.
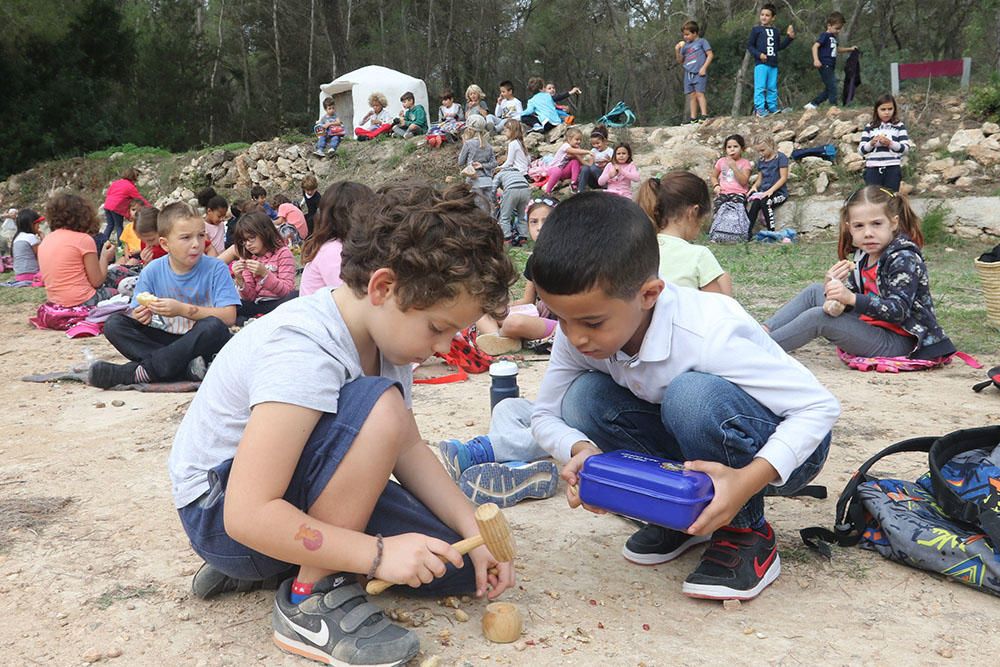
(281, 466)
(694, 53)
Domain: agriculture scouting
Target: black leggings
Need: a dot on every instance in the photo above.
(766, 204)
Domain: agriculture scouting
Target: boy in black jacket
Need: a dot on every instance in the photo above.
(764, 44)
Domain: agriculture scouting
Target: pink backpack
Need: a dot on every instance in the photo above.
(901, 364)
(58, 318)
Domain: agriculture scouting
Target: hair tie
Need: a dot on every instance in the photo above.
(888, 192)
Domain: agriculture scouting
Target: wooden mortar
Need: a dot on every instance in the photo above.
(502, 623)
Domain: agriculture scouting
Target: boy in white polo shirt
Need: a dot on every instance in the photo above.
(677, 373)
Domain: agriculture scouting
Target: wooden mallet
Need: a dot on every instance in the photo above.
(494, 532)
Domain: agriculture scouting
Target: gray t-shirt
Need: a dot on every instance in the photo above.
(25, 260)
(694, 54)
(301, 353)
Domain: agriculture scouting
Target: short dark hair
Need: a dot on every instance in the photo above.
(68, 211)
(437, 243)
(446, 94)
(205, 195)
(691, 26)
(771, 8)
(627, 146)
(328, 102)
(835, 18)
(215, 203)
(279, 199)
(535, 85)
(257, 191)
(507, 85)
(406, 96)
(145, 220)
(594, 240)
(171, 215)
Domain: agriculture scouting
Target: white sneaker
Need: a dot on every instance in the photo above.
(809, 107)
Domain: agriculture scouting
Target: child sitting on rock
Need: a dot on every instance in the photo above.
(477, 161)
(769, 190)
(329, 129)
(377, 121)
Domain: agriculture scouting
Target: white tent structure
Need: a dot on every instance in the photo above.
(351, 91)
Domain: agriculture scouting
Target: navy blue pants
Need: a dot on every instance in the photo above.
(829, 75)
(397, 511)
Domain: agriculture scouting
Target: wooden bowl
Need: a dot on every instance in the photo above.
(502, 623)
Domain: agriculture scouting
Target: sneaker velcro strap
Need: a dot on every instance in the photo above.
(341, 594)
(356, 617)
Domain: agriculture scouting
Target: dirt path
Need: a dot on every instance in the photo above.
(106, 573)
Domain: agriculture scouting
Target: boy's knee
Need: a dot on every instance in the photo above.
(580, 401)
(215, 327)
(687, 393)
(116, 324)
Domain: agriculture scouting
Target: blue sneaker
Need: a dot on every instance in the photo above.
(507, 484)
(458, 455)
(761, 113)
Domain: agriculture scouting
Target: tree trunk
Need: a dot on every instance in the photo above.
(245, 62)
(215, 71)
(309, 67)
(742, 73)
(381, 29)
(277, 62)
(851, 22)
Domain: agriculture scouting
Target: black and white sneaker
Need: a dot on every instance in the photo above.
(737, 565)
(652, 544)
(209, 582)
(337, 625)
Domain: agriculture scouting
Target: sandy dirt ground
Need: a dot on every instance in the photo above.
(94, 566)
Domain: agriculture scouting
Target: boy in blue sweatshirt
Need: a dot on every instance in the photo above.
(764, 44)
(825, 50)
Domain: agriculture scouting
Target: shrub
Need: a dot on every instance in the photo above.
(933, 224)
(984, 101)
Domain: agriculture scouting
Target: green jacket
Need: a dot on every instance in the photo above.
(416, 115)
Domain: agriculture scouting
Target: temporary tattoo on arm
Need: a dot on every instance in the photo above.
(311, 538)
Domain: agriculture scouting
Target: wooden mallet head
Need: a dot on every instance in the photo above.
(495, 532)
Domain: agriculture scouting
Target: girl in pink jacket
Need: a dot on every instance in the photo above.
(619, 174)
(117, 200)
(265, 271)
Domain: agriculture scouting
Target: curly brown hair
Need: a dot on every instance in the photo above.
(437, 244)
(73, 212)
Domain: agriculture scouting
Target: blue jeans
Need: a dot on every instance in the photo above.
(397, 511)
(829, 75)
(702, 417)
(330, 142)
(887, 177)
(765, 87)
(116, 223)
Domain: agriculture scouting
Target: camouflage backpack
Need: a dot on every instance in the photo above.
(947, 522)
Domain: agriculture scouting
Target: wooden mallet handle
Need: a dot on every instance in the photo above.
(376, 586)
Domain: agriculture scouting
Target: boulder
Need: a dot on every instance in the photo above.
(905, 188)
(984, 155)
(990, 129)
(964, 182)
(807, 117)
(952, 174)
(786, 147)
(284, 165)
(963, 139)
(822, 183)
(839, 128)
(813, 162)
(263, 169)
(933, 143)
(807, 133)
(852, 138)
(784, 135)
(937, 166)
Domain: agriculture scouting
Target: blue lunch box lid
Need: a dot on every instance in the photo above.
(649, 476)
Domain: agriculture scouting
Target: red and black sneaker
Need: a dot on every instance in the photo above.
(737, 565)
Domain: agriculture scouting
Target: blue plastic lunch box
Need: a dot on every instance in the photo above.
(646, 488)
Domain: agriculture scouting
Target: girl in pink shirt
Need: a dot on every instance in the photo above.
(293, 215)
(117, 201)
(731, 175)
(265, 271)
(73, 271)
(321, 253)
(619, 174)
(567, 161)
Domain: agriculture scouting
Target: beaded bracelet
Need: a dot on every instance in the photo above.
(379, 545)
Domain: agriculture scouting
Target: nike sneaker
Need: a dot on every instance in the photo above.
(507, 484)
(209, 582)
(337, 625)
(652, 545)
(737, 565)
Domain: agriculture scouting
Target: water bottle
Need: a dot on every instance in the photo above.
(503, 376)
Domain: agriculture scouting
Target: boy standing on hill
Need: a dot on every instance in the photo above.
(676, 373)
(284, 457)
(193, 293)
(825, 50)
(764, 44)
(694, 53)
(412, 120)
